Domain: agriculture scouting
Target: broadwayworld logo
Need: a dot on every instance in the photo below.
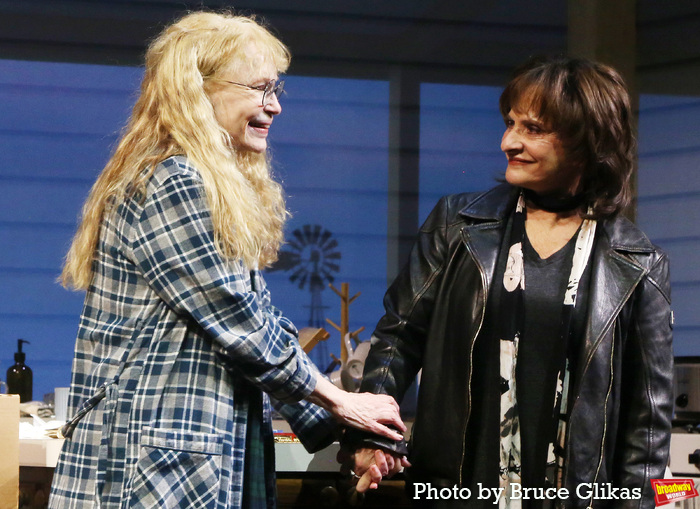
(672, 490)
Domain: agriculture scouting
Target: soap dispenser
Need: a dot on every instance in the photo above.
(19, 376)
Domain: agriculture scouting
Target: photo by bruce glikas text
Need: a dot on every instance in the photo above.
(604, 491)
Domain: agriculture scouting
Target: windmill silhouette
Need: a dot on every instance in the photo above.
(312, 256)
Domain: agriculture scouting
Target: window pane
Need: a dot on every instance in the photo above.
(460, 138)
(58, 124)
(668, 209)
(330, 146)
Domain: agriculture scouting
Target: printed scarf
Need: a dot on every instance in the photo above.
(512, 319)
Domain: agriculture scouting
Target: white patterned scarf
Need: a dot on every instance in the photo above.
(512, 313)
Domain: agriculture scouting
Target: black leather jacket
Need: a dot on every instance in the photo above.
(620, 418)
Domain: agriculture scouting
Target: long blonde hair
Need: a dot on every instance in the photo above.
(174, 115)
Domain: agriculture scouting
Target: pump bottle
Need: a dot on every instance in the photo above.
(19, 376)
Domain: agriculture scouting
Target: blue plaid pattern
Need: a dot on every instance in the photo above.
(182, 343)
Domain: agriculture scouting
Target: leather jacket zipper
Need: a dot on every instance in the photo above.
(605, 416)
(605, 421)
(484, 284)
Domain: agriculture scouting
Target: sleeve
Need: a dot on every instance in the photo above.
(174, 247)
(398, 341)
(313, 425)
(284, 322)
(647, 385)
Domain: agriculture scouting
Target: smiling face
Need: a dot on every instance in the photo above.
(239, 109)
(536, 156)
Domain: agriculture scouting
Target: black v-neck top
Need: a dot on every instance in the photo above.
(541, 354)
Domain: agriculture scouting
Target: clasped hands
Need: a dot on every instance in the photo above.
(370, 466)
(373, 413)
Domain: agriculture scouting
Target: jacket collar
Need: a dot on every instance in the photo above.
(492, 205)
(625, 236)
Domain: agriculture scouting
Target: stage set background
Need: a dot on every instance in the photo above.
(59, 121)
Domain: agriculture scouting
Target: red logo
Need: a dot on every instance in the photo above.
(672, 490)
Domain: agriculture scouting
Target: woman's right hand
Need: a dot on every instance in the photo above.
(365, 411)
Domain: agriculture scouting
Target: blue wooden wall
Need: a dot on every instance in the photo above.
(59, 121)
(460, 139)
(58, 124)
(669, 201)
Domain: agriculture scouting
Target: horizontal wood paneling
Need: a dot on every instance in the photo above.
(669, 202)
(461, 129)
(58, 124)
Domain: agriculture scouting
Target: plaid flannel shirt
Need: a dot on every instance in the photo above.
(185, 347)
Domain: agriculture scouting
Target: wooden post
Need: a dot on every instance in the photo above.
(344, 327)
(606, 31)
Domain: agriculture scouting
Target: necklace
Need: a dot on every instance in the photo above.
(554, 202)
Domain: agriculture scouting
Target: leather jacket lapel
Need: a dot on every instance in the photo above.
(487, 216)
(615, 276)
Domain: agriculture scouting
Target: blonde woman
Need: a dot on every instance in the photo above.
(179, 346)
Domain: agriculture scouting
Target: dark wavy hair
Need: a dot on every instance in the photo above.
(587, 104)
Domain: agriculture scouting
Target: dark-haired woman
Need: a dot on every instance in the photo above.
(539, 315)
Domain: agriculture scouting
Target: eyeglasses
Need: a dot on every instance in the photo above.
(269, 89)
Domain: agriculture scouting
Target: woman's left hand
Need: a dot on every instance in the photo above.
(370, 412)
(365, 411)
